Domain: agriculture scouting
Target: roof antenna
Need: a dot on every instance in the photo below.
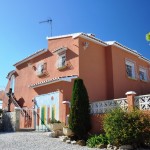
(48, 21)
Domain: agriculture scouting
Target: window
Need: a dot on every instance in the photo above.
(41, 69)
(62, 61)
(12, 83)
(143, 74)
(130, 69)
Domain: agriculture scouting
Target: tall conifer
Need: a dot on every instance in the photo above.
(79, 119)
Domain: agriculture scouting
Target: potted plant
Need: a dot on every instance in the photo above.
(67, 131)
(56, 125)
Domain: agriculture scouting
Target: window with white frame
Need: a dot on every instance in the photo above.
(130, 69)
(143, 74)
(12, 83)
(41, 68)
(62, 61)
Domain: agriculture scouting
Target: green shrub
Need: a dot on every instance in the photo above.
(97, 140)
(79, 118)
(127, 127)
(54, 121)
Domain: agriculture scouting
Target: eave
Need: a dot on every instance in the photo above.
(129, 50)
(54, 80)
(10, 74)
(36, 54)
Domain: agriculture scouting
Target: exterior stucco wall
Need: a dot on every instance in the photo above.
(92, 69)
(26, 75)
(122, 83)
(65, 92)
(102, 69)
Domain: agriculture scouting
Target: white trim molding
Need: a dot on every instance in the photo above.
(130, 93)
(54, 80)
(10, 74)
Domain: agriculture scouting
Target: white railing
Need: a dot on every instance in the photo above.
(142, 102)
(101, 107)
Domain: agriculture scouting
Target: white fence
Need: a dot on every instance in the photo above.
(140, 102)
(101, 107)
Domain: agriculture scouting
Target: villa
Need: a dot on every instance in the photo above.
(43, 81)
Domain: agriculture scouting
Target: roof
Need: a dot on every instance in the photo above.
(54, 80)
(89, 37)
(83, 35)
(42, 51)
(117, 44)
(10, 74)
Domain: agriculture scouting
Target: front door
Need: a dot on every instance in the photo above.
(47, 108)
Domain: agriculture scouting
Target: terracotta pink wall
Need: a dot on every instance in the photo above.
(104, 72)
(27, 75)
(121, 82)
(92, 69)
(2, 95)
(102, 69)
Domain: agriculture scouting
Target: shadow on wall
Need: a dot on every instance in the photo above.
(21, 102)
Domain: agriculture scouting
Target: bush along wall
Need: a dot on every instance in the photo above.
(127, 127)
(79, 120)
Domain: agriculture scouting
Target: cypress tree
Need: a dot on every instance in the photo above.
(79, 119)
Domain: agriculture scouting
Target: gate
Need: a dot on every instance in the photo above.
(27, 117)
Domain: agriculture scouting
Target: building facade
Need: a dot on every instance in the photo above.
(44, 80)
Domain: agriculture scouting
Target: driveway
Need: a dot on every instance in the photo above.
(35, 141)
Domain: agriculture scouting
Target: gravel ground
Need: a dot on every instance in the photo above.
(35, 141)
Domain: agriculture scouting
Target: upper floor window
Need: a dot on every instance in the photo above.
(41, 69)
(143, 74)
(130, 69)
(62, 61)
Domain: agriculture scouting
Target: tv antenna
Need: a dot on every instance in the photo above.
(48, 21)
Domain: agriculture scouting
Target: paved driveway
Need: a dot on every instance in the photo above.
(34, 141)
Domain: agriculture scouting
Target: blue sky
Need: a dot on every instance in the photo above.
(126, 21)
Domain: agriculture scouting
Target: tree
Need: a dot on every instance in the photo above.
(148, 36)
(79, 119)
